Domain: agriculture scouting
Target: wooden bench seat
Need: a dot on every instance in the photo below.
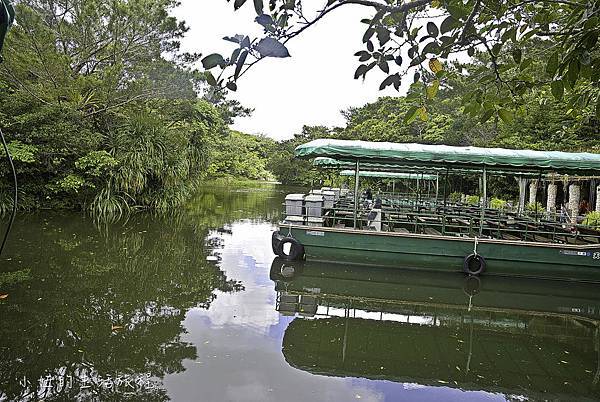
(431, 231)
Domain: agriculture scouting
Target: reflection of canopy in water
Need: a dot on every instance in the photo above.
(531, 337)
(529, 361)
(390, 175)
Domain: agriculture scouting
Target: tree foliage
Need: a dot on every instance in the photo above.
(415, 40)
(102, 110)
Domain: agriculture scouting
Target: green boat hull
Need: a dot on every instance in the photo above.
(447, 253)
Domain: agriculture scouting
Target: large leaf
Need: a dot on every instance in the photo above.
(432, 29)
(517, 54)
(558, 89)
(234, 39)
(388, 81)
(240, 63)
(213, 60)
(552, 64)
(258, 6)
(238, 3)
(435, 65)
(269, 47)
(448, 24)
(506, 115)
(210, 78)
(264, 20)
(361, 70)
(411, 115)
(432, 90)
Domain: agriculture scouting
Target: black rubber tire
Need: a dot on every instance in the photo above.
(285, 271)
(276, 238)
(474, 261)
(296, 249)
(472, 285)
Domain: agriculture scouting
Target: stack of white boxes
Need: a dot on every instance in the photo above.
(293, 209)
(328, 199)
(314, 209)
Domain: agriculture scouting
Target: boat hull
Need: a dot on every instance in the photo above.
(447, 253)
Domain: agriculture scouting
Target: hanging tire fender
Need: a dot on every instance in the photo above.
(296, 249)
(474, 264)
(276, 238)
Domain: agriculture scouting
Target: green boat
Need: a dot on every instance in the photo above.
(532, 339)
(431, 232)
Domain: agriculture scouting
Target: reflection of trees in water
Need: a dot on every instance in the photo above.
(221, 206)
(103, 303)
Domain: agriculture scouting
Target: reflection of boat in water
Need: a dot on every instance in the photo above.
(532, 338)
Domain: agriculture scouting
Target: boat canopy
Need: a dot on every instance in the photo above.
(389, 175)
(449, 156)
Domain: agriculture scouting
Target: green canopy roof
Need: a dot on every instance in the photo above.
(445, 155)
(390, 175)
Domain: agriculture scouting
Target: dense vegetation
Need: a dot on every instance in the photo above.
(103, 112)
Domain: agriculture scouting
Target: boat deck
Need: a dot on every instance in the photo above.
(431, 218)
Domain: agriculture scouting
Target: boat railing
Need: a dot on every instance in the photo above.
(455, 220)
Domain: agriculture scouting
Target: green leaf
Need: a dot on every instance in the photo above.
(486, 115)
(432, 29)
(361, 70)
(525, 63)
(383, 35)
(383, 65)
(238, 3)
(264, 20)
(552, 64)
(258, 6)
(432, 90)
(506, 115)
(240, 63)
(368, 34)
(411, 115)
(457, 12)
(573, 72)
(558, 89)
(496, 48)
(598, 107)
(212, 60)
(362, 55)
(210, 79)
(270, 47)
(422, 113)
(448, 24)
(388, 81)
(431, 47)
(232, 86)
(516, 54)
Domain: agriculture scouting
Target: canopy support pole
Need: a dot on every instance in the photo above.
(484, 200)
(437, 186)
(522, 189)
(444, 213)
(356, 198)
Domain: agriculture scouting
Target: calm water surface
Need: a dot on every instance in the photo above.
(195, 307)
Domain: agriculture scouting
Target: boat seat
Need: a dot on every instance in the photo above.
(431, 231)
(401, 230)
(507, 236)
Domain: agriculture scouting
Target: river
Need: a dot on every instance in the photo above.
(193, 306)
